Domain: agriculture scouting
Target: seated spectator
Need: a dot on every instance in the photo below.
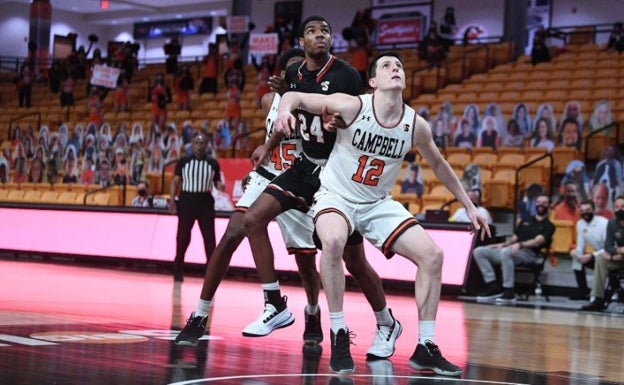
(432, 47)
(591, 230)
(103, 177)
(52, 173)
(540, 52)
(601, 117)
(471, 178)
(120, 173)
(567, 209)
(121, 135)
(142, 199)
(413, 183)
(440, 133)
(138, 167)
(137, 133)
(224, 135)
(183, 85)
(20, 170)
(543, 135)
(460, 215)
(572, 109)
(514, 137)
(156, 161)
(120, 99)
(37, 171)
(569, 136)
(70, 168)
(521, 116)
(546, 111)
(450, 120)
(616, 38)
(576, 173)
(523, 246)
(4, 170)
(494, 110)
(600, 197)
(612, 258)
(609, 171)
(489, 134)
(471, 112)
(87, 176)
(465, 138)
(527, 207)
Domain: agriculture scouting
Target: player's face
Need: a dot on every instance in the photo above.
(389, 73)
(317, 38)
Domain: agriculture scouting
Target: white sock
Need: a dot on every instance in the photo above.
(271, 286)
(311, 309)
(425, 331)
(383, 317)
(337, 321)
(203, 307)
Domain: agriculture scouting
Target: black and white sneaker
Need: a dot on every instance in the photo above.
(493, 291)
(313, 333)
(385, 338)
(427, 356)
(270, 319)
(193, 330)
(341, 360)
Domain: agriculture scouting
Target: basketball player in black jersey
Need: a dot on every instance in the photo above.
(320, 72)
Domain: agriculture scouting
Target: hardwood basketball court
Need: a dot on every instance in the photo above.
(68, 324)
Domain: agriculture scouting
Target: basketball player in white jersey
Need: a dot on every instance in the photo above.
(355, 196)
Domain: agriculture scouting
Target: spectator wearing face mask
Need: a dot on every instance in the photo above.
(611, 259)
(590, 231)
(142, 199)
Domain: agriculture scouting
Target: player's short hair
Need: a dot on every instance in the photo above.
(291, 53)
(310, 19)
(372, 69)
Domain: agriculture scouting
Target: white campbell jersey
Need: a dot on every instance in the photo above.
(367, 157)
(288, 149)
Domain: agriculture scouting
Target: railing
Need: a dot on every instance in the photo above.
(517, 184)
(92, 192)
(20, 117)
(565, 33)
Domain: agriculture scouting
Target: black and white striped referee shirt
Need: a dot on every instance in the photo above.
(198, 175)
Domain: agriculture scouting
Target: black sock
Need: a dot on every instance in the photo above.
(274, 297)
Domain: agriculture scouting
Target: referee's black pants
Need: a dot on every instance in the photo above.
(194, 207)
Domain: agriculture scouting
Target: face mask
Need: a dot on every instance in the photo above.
(587, 217)
(541, 210)
(142, 192)
(619, 215)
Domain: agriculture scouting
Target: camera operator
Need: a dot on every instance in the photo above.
(173, 49)
(142, 199)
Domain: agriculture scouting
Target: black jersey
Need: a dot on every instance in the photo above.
(336, 76)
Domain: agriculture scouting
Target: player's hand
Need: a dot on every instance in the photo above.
(259, 155)
(277, 84)
(332, 121)
(479, 223)
(285, 124)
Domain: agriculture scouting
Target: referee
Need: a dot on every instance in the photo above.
(196, 174)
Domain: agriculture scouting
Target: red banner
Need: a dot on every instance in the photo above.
(399, 30)
(232, 172)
